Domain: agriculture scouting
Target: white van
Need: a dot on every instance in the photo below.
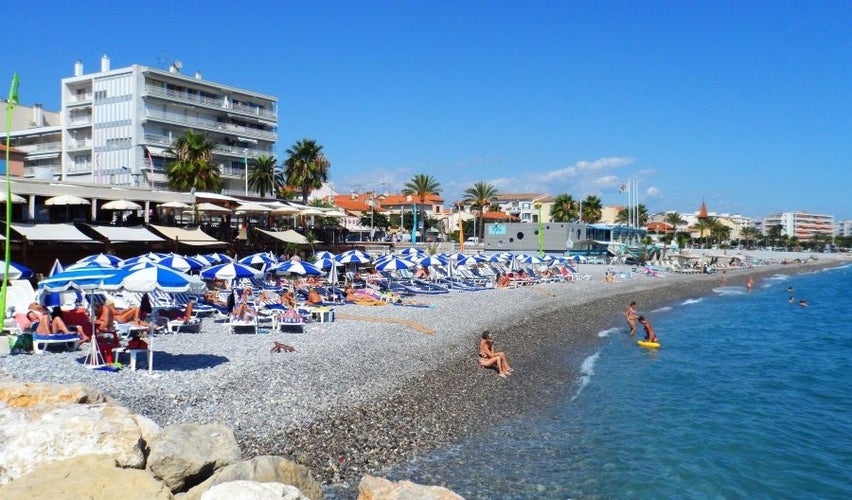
(472, 239)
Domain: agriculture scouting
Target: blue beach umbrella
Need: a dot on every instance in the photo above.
(181, 263)
(392, 263)
(261, 258)
(325, 263)
(56, 268)
(408, 253)
(102, 259)
(16, 271)
(230, 271)
(150, 278)
(323, 255)
(353, 258)
(299, 267)
(527, 259)
(432, 260)
(219, 258)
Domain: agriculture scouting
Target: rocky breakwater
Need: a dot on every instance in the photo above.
(68, 441)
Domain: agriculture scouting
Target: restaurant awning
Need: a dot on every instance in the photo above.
(125, 234)
(288, 236)
(195, 237)
(60, 233)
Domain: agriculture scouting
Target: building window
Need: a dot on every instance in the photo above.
(100, 94)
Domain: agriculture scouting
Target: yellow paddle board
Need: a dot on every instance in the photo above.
(644, 343)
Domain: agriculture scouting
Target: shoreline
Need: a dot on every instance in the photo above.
(357, 397)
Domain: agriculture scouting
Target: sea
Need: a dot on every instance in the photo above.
(749, 396)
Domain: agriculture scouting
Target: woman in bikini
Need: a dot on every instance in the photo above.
(488, 358)
(631, 317)
(57, 325)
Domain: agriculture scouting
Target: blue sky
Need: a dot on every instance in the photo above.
(747, 105)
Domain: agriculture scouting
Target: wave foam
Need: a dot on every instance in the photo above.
(690, 301)
(607, 332)
(731, 290)
(587, 369)
(662, 309)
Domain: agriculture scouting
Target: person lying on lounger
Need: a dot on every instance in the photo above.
(53, 324)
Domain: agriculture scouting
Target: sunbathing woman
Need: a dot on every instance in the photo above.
(287, 299)
(56, 325)
(362, 297)
(489, 358)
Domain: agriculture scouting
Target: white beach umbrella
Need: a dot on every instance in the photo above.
(393, 263)
(121, 205)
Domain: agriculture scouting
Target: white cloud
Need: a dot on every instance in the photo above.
(555, 175)
(607, 180)
(652, 192)
(602, 163)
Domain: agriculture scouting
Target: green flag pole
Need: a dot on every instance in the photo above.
(11, 102)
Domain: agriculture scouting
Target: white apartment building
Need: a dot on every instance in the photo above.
(800, 224)
(525, 206)
(116, 124)
(844, 228)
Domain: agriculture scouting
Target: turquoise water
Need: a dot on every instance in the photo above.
(749, 396)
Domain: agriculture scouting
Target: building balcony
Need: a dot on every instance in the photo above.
(218, 103)
(46, 147)
(210, 125)
(40, 171)
(79, 121)
(238, 152)
(79, 144)
(79, 100)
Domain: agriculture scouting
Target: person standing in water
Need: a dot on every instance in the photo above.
(631, 317)
(750, 284)
(650, 336)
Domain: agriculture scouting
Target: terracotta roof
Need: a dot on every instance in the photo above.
(659, 227)
(522, 197)
(497, 215)
(402, 199)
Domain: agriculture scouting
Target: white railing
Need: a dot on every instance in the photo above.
(80, 167)
(213, 125)
(80, 144)
(213, 102)
(240, 152)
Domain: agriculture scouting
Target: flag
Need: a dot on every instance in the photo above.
(13, 91)
(623, 188)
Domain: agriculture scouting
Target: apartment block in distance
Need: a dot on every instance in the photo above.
(118, 123)
(800, 224)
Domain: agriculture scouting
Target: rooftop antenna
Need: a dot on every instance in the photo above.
(178, 65)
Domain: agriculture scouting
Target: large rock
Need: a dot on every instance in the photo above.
(377, 488)
(252, 490)
(93, 477)
(264, 469)
(29, 394)
(44, 423)
(184, 455)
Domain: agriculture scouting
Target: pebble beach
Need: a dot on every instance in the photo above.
(382, 383)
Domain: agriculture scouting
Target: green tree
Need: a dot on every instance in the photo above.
(421, 186)
(674, 219)
(774, 234)
(265, 176)
(564, 208)
(480, 196)
(192, 165)
(591, 208)
(306, 167)
(749, 234)
(623, 215)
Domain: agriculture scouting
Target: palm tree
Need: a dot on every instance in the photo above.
(264, 175)
(193, 164)
(564, 208)
(623, 215)
(421, 185)
(480, 196)
(703, 226)
(749, 234)
(591, 208)
(674, 219)
(306, 167)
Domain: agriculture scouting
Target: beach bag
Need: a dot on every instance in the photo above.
(24, 343)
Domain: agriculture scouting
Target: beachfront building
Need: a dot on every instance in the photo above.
(844, 228)
(526, 207)
(115, 126)
(802, 225)
(36, 136)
